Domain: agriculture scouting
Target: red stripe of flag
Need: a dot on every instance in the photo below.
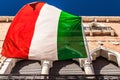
(21, 31)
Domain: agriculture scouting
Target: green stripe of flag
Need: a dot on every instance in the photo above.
(70, 42)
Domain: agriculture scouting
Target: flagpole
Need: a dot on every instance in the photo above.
(86, 44)
(88, 67)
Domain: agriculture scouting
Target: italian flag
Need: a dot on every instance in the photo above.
(43, 32)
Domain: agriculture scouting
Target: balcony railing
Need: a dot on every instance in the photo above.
(58, 77)
(90, 31)
(98, 28)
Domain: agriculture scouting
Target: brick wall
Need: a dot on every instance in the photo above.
(3, 30)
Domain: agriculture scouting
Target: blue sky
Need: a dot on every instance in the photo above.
(77, 7)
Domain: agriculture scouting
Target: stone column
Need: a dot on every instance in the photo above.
(7, 66)
(112, 33)
(118, 60)
(46, 65)
(81, 61)
(88, 68)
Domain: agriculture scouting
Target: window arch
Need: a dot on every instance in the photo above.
(109, 54)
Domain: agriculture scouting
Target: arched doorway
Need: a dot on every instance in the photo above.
(66, 67)
(102, 66)
(27, 67)
(105, 61)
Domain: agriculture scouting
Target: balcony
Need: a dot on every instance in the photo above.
(58, 77)
(99, 31)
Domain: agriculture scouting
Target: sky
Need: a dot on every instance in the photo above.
(76, 7)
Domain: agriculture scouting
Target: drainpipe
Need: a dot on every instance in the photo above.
(88, 67)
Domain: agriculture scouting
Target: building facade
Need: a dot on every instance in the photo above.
(103, 41)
